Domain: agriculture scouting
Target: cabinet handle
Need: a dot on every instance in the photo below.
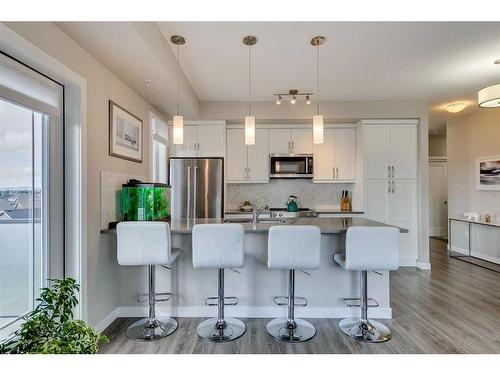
(393, 186)
(388, 171)
(333, 172)
(393, 172)
(337, 172)
(293, 147)
(388, 186)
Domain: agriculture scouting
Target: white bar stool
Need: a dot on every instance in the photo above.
(147, 243)
(292, 247)
(219, 246)
(368, 249)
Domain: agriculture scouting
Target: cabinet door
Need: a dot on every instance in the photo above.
(236, 158)
(323, 157)
(258, 157)
(211, 140)
(187, 149)
(377, 200)
(345, 154)
(403, 214)
(302, 141)
(404, 151)
(376, 151)
(279, 141)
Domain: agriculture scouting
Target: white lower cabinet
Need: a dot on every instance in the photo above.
(247, 164)
(394, 202)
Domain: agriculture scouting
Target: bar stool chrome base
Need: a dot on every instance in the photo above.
(151, 329)
(370, 331)
(279, 328)
(231, 329)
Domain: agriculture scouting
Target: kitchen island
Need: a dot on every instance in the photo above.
(255, 285)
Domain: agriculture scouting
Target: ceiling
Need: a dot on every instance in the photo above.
(439, 62)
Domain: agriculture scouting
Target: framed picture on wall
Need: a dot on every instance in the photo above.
(488, 173)
(125, 134)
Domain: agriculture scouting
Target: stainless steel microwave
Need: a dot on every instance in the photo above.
(291, 166)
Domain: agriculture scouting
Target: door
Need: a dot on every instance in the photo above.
(403, 214)
(258, 157)
(377, 200)
(345, 154)
(377, 151)
(438, 199)
(187, 149)
(279, 141)
(210, 139)
(323, 157)
(236, 160)
(208, 181)
(404, 151)
(181, 181)
(302, 141)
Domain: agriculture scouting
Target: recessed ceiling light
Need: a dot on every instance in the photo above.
(147, 82)
(455, 107)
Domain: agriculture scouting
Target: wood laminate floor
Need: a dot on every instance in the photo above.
(454, 308)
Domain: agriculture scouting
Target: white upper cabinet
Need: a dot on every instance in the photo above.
(335, 158)
(279, 141)
(189, 147)
(377, 154)
(301, 141)
(258, 157)
(290, 141)
(390, 151)
(200, 140)
(210, 140)
(247, 164)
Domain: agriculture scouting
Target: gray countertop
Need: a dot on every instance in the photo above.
(327, 225)
(320, 211)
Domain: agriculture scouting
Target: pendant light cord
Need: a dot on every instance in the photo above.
(317, 77)
(178, 63)
(249, 80)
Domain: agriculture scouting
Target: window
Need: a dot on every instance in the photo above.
(159, 149)
(31, 188)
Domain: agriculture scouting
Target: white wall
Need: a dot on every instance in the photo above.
(102, 85)
(468, 137)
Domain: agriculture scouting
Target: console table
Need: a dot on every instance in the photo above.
(470, 257)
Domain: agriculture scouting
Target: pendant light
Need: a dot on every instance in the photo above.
(178, 120)
(317, 119)
(250, 41)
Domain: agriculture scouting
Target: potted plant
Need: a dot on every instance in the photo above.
(50, 327)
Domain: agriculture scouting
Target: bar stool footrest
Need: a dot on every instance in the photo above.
(228, 301)
(159, 297)
(283, 301)
(356, 302)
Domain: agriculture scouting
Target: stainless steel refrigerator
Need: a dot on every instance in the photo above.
(197, 187)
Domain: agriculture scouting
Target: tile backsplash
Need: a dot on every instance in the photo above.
(276, 192)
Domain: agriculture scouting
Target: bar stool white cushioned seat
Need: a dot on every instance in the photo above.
(147, 243)
(292, 247)
(368, 249)
(219, 246)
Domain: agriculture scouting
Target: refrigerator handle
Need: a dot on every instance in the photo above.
(195, 192)
(188, 192)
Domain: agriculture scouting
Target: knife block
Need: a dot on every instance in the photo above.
(346, 204)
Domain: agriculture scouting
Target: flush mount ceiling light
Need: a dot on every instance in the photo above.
(294, 95)
(455, 107)
(178, 120)
(489, 97)
(317, 119)
(250, 41)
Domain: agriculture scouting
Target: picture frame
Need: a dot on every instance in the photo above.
(125, 134)
(488, 173)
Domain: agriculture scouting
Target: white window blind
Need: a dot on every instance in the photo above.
(19, 84)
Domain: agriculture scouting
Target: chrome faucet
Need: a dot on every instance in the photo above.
(256, 214)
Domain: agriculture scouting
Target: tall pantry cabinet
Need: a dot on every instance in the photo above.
(390, 178)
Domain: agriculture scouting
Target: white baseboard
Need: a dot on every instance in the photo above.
(407, 262)
(423, 265)
(240, 312)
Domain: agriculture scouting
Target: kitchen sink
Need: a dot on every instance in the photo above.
(261, 221)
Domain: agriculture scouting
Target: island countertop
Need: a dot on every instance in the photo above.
(326, 225)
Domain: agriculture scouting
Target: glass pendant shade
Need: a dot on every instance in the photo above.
(318, 129)
(250, 130)
(489, 97)
(178, 130)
